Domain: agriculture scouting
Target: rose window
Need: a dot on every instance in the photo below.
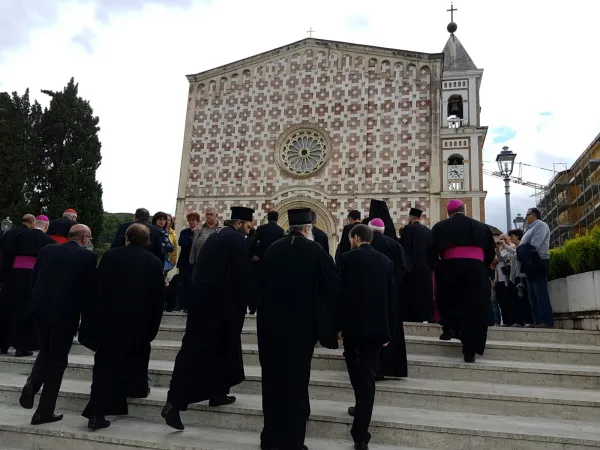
(304, 152)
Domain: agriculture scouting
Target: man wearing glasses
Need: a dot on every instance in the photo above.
(61, 280)
(537, 240)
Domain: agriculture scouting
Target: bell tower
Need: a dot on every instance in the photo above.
(461, 133)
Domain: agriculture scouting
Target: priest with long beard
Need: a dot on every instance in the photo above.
(297, 309)
(210, 360)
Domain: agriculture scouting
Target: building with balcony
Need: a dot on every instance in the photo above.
(571, 204)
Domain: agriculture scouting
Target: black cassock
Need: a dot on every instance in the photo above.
(119, 324)
(210, 360)
(321, 238)
(14, 297)
(462, 284)
(259, 243)
(297, 308)
(6, 256)
(393, 357)
(344, 245)
(418, 284)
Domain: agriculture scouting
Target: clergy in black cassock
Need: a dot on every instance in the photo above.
(120, 323)
(6, 256)
(379, 209)
(367, 305)
(344, 245)
(393, 357)
(14, 297)
(321, 237)
(418, 301)
(299, 287)
(461, 249)
(210, 360)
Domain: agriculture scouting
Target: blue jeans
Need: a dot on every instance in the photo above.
(495, 317)
(537, 288)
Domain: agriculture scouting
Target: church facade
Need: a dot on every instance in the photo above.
(330, 125)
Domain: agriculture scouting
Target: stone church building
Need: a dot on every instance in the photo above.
(330, 125)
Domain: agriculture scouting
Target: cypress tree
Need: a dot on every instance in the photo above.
(70, 157)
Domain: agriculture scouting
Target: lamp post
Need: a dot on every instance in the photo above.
(5, 225)
(519, 222)
(506, 164)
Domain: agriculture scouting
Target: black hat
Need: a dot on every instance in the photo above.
(241, 213)
(379, 209)
(415, 212)
(300, 216)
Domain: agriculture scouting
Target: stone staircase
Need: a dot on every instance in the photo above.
(534, 389)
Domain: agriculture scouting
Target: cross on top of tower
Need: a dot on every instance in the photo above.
(451, 11)
(310, 32)
(452, 27)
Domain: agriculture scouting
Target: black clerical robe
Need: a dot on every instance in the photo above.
(6, 253)
(344, 245)
(297, 308)
(154, 246)
(210, 360)
(321, 238)
(14, 297)
(418, 301)
(393, 357)
(462, 284)
(119, 324)
(379, 210)
(259, 243)
(59, 229)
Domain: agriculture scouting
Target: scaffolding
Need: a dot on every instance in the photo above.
(570, 204)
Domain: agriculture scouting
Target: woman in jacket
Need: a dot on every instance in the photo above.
(172, 257)
(160, 220)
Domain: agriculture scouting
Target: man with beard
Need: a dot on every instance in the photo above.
(6, 256)
(61, 280)
(393, 357)
(297, 309)
(418, 282)
(155, 241)
(14, 297)
(461, 249)
(210, 360)
(368, 301)
(120, 323)
(59, 228)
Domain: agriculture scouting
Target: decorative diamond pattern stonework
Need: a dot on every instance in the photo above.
(364, 119)
(304, 152)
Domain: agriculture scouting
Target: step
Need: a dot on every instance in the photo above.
(126, 432)
(390, 425)
(440, 394)
(557, 336)
(427, 345)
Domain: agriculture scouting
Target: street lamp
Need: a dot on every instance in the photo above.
(506, 164)
(519, 222)
(6, 225)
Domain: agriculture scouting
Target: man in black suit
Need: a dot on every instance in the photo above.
(366, 321)
(320, 236)
(156, 239)
(260, 241)
(265, 235)
(62, 278)
(344, 245)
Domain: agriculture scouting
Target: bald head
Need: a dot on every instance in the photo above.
(81, 234)
(28, 220)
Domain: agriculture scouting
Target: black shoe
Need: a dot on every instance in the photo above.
(469, 357)
(352, 411)
(98, 422)
(361, 446)
(39, 419)
(172, 417)
(20, 354)
(27, 396)
(447, 335)
(220, 401)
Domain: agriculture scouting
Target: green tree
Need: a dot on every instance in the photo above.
(71, 156)
(110, 224)
(20, 158)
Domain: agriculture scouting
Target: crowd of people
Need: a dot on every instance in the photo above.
(302, 295)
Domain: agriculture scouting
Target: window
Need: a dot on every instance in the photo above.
(455, 111)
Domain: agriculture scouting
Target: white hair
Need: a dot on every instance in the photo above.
(71, 216)
(377, 229)
(306, 228)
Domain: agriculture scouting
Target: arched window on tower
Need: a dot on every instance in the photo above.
(456, 173)
(455, 111)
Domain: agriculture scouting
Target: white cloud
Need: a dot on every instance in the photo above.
(537, 56)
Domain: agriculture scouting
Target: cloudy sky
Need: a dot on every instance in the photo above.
(539, 92)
